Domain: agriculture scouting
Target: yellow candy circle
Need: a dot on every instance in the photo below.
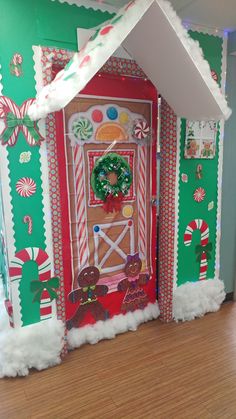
(127, 211)
(124, 118)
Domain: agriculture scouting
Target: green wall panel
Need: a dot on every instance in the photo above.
(228, 238)
(188, 267)
(24, 24)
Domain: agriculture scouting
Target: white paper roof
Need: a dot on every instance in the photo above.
(153, 35)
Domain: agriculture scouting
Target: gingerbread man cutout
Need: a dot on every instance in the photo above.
(87, 295)
(135, 297)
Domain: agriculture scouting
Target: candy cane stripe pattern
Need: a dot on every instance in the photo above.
(142, 200)
(201, 225)
(44, 268)
(83, 250)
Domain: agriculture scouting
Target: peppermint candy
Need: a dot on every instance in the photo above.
(141, 129)
(199, 194)
(82, 129)
(26, 187)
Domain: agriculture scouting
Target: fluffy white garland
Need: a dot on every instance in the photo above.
(110, 328)
(35, 346)
(194, 299)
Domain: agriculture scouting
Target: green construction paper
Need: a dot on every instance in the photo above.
(30, 310)
(58, 15)
(188, 266)
(24, 24)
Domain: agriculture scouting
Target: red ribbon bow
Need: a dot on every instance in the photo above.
(113, 203)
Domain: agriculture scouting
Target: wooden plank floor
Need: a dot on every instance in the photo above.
(169, 371)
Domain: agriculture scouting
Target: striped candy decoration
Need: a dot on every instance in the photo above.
(201, 225)
(29, 128)
(44, 267)
(83, 249)
(141, 130)
(26, 187)
(141, 200)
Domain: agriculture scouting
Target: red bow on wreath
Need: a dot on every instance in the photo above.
(16, 120)
(113, 203)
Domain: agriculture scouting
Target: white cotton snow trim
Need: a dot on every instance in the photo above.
(196, 54)
(108, 329)
(35, 346)
(194, 299)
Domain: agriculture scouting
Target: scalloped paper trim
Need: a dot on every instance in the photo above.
(220, 163)
(8, 218)
(90, 5)
(178, 180)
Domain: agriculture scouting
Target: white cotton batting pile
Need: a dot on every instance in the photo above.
(196, 54)
(108, 329)
(194, 299)
(35, 346)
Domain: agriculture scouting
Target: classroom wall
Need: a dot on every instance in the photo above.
(188, 265)
(228, 236)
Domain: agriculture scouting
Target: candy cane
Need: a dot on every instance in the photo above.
(28, 220)
(141, 200)
(44, 267)
(201, 225)
(17, 59)
(83, 250)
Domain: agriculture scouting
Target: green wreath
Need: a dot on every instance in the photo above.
(111, 176)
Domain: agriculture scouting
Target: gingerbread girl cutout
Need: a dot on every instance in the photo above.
(135, 297)
(87, 295)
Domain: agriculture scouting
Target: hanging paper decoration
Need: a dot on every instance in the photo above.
(26, 187)
(87, 294)
(203, 250)
(135, 297)
(141, 129)
(200, 141)
(82, 129)
(199, 194)
(16, 120)
(28, 220)
(199, 174)
(111, 180)
(25, 157)
(16, 65)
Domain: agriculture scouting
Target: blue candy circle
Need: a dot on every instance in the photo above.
(96, 229)
(112, 113)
